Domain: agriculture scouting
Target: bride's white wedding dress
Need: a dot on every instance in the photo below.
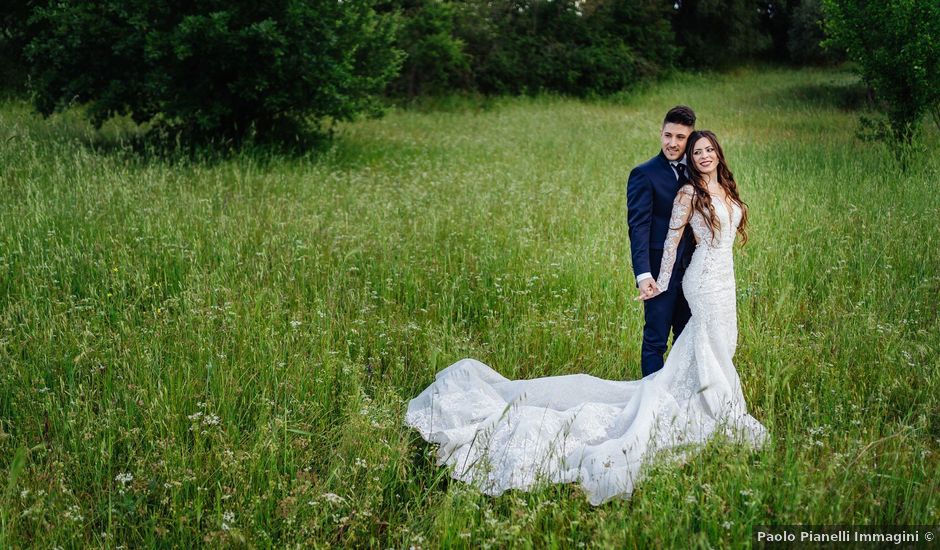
(501, 434)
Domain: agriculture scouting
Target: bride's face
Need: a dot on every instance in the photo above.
(705, 156)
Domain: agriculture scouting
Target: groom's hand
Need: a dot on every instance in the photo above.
(648, 289)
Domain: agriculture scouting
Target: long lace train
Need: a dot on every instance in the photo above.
(501, 434)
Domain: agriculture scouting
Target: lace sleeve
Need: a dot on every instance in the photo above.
(681, 210)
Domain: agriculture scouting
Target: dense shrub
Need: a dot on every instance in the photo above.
(212, 69)
(896, 49)
(435, 60)
(13, 37)
(566, 46)
(645, 26)
(777, 18)
(720, 33)
(806, 34)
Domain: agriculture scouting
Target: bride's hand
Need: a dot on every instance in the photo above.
(643, 298)
(648, 290)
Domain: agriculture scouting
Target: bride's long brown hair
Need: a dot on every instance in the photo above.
(701, 200)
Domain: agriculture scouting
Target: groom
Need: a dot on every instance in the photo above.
(650, 192)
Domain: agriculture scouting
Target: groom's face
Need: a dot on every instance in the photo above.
(674, 137)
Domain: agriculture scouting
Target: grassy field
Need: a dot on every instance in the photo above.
(221, 351)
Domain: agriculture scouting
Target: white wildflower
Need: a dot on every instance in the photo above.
(73, 513)
(228, 518)
(333, 498)
(124, 478)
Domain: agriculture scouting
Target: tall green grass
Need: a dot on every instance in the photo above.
(221, 351)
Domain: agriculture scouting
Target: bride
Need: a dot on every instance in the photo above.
(501, 434)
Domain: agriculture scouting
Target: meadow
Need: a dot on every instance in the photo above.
(219, 351)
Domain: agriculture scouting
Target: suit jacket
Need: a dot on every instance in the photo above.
(651, 189)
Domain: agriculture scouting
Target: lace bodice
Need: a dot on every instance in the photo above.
(682, 214)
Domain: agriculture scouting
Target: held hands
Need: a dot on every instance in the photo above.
(648, 289)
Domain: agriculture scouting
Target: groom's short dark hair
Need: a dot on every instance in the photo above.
(680, 114)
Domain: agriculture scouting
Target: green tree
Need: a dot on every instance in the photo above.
(212, 69)
(895, 45)
(645, 27)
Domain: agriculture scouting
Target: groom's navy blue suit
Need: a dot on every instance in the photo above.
(651, 189)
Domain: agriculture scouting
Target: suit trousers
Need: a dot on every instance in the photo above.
(667, 312)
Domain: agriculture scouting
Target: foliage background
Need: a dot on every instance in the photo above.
(228, 71)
